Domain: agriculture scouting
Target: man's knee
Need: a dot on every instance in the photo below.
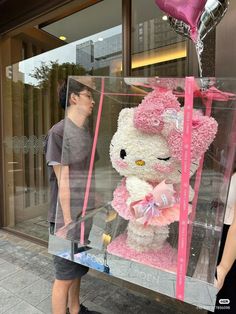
(64, 283)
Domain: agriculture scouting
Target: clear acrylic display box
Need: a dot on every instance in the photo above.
(147, 194)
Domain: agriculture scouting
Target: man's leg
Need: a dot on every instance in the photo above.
(73, 297)
(60, 293)
(67, 285)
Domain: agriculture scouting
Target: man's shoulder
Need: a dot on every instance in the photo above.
(55, 134)
(57, 128)
(53, 140)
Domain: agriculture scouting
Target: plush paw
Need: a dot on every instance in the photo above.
(137, 189)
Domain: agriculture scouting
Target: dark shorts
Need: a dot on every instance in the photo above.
(66, 269)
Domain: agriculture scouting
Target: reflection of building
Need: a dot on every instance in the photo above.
(153, 33)
(157, 50)
(85, 54)
(100, 54)
(152, 40)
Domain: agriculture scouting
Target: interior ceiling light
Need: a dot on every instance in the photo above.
(165, 17)
(163, 54)
(62, 37)
(100, 39)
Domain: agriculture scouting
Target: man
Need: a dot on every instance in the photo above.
(68, 147)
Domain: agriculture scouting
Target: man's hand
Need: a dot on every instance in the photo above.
(62, 232)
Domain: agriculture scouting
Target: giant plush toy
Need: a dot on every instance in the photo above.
(146, 151)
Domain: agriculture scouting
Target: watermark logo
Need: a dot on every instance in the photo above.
(224, 301)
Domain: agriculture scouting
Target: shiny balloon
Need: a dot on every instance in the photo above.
(181, 28)
(187, 11)
(213, 12)
(211, 16)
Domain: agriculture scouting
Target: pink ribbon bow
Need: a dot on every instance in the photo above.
(163, 196)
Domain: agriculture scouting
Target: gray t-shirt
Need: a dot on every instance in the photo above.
(69, 145)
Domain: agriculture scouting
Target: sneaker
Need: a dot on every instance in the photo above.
(85, 310)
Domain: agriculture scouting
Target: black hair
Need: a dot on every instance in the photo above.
(74, 87)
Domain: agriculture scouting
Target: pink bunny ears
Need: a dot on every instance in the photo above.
(151, 117)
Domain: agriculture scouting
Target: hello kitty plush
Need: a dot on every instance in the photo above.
(146, 151)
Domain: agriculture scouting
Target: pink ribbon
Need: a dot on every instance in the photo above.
(184, 190)
(213, 93)
(162, 196)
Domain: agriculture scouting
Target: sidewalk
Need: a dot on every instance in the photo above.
(26, 276)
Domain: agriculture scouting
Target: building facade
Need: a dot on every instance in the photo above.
(43, 42)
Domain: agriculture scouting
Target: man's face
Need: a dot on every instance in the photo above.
(85, 102)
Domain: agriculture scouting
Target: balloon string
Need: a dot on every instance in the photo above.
(199, 49)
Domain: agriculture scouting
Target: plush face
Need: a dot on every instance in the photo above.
(146, 156)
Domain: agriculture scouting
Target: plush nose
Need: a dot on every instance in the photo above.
(140, 162)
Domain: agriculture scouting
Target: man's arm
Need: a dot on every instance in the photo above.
(229, 254)
(62, 175)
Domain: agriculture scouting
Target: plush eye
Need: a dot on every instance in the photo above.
(122, 154)
(164, 159)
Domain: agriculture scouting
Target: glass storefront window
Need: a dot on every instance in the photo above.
(89, 46)
(31, 105)
(97, 43)
(157, 50)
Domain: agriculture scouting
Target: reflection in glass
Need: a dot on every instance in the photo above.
(157, 50)
(31, 106)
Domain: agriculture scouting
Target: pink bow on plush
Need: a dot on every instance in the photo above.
(162, 196)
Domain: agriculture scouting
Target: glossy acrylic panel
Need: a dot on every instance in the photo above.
(110, 230)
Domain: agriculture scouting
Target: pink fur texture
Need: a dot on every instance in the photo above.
(120, 196)
(148, 118)
(164, 258)
(148, 115)
(203, 133)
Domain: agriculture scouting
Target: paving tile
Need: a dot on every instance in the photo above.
(45, 306)
(94, 307)
(122, 302)
(99, 293)
(37, 292)
(3, 242)
(18, 281)
(7, 269)
(46, 254)
(92, 288)
(27, 265)
(7, 300)
(117, 300)
(23, 308)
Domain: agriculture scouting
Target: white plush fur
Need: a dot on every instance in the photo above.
(137, 188)
(148, 148)
(142, 146)
(143, 239)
